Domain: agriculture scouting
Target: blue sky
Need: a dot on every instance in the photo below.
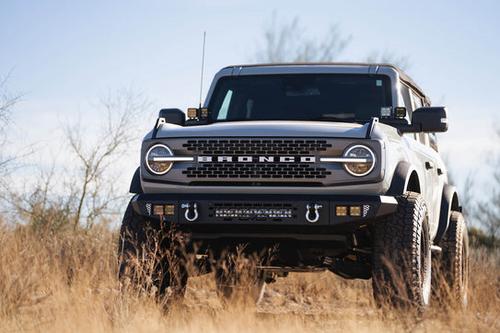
(62, 55)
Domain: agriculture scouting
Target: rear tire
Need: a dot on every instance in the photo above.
(145, 257)
(452, 270)
(401, 271)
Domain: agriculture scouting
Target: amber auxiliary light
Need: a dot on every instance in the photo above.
(354, 210)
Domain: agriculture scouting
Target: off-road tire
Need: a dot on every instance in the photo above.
(452, 267)
(401, 270)
(144, 257)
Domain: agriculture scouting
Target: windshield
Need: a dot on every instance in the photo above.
(329, 97)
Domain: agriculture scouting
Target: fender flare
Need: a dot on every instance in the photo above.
(401, 179)
(449, 203)
(135, 184)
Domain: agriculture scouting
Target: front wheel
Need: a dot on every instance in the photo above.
(401, 270)
(149, 258)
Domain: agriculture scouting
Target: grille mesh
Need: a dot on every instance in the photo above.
(256, 147)
(256, 170)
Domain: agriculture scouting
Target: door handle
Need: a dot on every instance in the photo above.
(429, 165)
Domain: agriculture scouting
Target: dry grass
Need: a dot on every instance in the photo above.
(67, 282)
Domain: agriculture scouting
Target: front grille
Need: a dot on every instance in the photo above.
(256, 147)
(257, 170)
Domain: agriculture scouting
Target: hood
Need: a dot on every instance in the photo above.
(266, 129)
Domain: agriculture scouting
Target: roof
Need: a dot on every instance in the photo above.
(404, 77)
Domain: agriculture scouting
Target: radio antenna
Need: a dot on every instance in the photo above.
(202, 64)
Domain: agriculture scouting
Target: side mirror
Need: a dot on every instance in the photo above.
(172, 116)
(431, 119)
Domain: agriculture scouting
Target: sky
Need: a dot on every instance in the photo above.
(63, 55)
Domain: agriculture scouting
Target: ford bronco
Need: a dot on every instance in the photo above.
(328, 166)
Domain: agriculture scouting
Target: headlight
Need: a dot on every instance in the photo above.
(157, 159)
(366, 161)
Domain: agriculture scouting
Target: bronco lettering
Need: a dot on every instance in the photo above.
(258, 159)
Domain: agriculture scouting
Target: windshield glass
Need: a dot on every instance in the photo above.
(328, 97)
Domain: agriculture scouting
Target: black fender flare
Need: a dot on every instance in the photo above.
(449, 203)
(135, 184)
(401, 179)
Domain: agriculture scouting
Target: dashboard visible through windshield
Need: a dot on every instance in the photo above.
(328, 97)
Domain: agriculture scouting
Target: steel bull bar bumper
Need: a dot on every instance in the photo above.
(195, 210)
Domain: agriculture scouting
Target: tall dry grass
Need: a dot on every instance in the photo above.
(67, 282)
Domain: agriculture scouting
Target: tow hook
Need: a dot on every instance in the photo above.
(312, 212)
(191, 211)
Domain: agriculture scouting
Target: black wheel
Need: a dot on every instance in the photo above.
(239, 281)
(148, 257)
(452, 268)
(401, 271)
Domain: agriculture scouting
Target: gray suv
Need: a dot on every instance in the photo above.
(312, 167)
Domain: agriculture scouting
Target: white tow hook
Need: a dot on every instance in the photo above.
(314, 211)
(191, 211)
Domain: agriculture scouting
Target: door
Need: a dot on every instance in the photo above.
(433, 169)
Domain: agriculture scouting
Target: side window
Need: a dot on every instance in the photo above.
(224, 108)
(417, 100)
(423, 138)
(405, 91)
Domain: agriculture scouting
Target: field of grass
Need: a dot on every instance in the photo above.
(67, 282)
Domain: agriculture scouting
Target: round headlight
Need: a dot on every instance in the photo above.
(363, 154)
(155, 162)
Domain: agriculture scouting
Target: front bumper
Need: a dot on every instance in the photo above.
(191, 211)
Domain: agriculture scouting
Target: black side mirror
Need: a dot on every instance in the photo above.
(430, 119)
(172, 116)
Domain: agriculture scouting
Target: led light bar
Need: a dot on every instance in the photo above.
(247, 213)
(344, 160)
(173, 159)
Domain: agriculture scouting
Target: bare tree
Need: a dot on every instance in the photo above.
(467, 198)
(388, 57)
(38, 205)
(94, 183)
(288, 42)
(7, 102)
(488, 209)
(465, 189)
